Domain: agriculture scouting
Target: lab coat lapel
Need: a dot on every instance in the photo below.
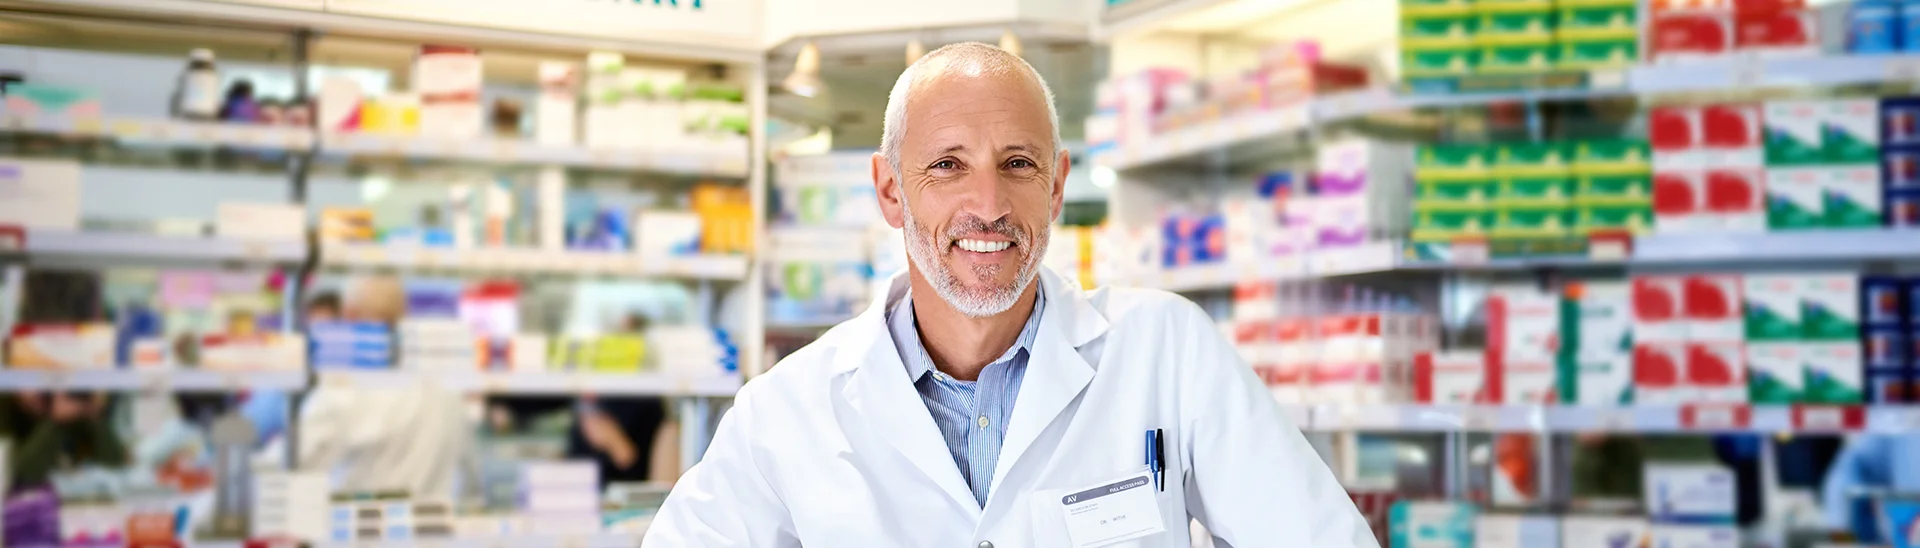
(881, 392)
(1056, 373)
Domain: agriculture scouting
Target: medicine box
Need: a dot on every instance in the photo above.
(1429, 524)
(1515, 531)
(1716, 372)
(1689, 493)
(1830, 306)
(1851, 130)
(1796, 198)
(1695, 536)
(1795, 132)
(1776, 372)
(1834, 372)
(1603, 532)
(1712, 305)
(1772, 307)
(1852, 196)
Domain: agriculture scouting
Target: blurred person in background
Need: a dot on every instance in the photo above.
(416, 439)
(52, 431)
(1869, 463)
(622, 435)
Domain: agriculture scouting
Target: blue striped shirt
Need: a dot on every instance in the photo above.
(972, 415)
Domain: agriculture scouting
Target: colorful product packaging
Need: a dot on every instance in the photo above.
(1690, 493)
(1776, 372)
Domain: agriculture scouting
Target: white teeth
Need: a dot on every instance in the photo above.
(983, 246)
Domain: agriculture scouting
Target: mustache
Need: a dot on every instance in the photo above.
(968, 225)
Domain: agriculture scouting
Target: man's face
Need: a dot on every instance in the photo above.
(979, 184)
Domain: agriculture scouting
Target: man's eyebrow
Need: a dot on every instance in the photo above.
(1020, 147)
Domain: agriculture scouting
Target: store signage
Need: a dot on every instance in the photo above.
(723, 25)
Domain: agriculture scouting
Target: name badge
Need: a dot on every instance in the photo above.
(1119, 510)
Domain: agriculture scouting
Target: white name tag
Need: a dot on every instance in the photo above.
(1119, 510)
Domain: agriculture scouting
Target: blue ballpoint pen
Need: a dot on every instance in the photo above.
(1152, 465)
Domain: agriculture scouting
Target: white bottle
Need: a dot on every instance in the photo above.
(197, 96)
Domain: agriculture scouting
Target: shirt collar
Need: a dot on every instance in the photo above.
(906, 334)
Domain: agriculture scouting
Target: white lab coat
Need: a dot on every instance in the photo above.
(833, 447)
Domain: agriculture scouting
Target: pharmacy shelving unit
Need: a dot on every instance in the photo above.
(293, 37)
(1212, 161)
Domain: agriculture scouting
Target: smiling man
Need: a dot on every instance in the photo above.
(985, 401)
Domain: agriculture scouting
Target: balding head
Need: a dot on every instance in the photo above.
(975, 182)
(972, 59)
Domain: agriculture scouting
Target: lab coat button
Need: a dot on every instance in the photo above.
(985, 544)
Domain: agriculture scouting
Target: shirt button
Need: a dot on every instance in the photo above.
(983, 422)
(985, 544)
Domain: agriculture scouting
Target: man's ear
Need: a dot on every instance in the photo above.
(887, 189)
(1065, 166)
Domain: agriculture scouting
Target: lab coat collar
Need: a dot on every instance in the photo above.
(881, 391)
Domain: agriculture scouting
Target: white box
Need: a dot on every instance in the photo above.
(1778, 371)
(1529, 324)
(557, 111)
(1771, 306)
(1602, 380)
(659, 234)
(256, 221)
(1716, 372)
(1603, 532)
(1527, 383)
(1659, 309)
(1834, 372)
(40, 193)
(1695, 536)
(1512, 531)
(1690, 492)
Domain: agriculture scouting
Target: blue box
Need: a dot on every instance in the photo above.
(1881, 302)
(1874, 26)
(1889, 385)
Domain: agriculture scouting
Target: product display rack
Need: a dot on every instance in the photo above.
(1456, 443)
(1734, 74)
(308, 154)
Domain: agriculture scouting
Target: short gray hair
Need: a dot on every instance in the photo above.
(985, 59)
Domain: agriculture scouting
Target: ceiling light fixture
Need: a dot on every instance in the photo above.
(915, 50)
(805, 80)
(1010, 42)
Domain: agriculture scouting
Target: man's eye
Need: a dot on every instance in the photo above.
(1020, 163)
(946, 164)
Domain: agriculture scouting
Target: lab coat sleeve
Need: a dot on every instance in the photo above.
(1859, 465)
(1252, 479)
(725, 499)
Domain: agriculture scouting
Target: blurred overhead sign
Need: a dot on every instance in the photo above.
(708, 23)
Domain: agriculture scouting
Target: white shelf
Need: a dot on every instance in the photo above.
(696, 156)
(512, 260)
(1626, 419)
(159, 380)
(545, 383)
(165, 131)
(1731, 73)
(601, 540)
(1346, 261)
(153, 247)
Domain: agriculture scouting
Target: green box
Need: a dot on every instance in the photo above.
(1612, 157)
(1453, 163)
(1411, 9)
(1537, 190)
(1532, 160)
(1453, 61)
(1434, 225)
(1456, 192)
(1794, 132)
(1437, 32)
(1850, 131)
(1796, 198)
(1604, 23)
(1598, 54)
(1514, 29)
(1634, 218)
(1772, 307)
(1531, 221)
(1517, 59)
(1513, 6)
(1614, 189)
(1851, 197)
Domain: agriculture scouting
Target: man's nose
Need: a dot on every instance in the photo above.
(986, 196)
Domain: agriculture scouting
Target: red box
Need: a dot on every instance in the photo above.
(1689, 34)
(1782, 32)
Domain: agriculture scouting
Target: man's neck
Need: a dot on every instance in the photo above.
(961, 345)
